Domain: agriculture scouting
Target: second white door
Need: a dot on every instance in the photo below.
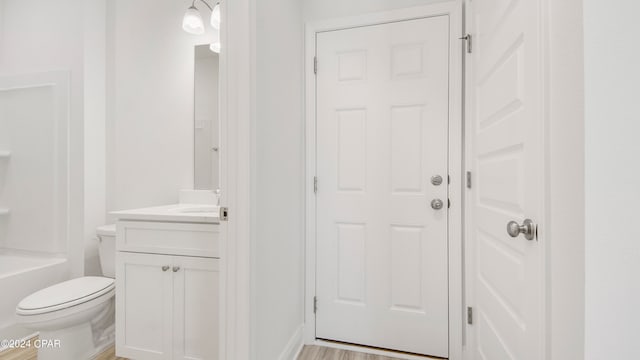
(382, 146)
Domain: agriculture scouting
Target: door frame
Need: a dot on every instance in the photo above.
(453, 9)
(236, 103)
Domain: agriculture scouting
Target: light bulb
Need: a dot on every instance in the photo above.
(192, 21)
(215, 16)
(215, 45)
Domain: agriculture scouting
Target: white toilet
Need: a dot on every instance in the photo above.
(75, 318)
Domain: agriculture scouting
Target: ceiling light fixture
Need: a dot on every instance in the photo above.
(215, 45)
(192, 20)
(215, 16)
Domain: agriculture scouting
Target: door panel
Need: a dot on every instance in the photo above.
(196, 289)
(507, 157)
(143, 306)
(382, 130)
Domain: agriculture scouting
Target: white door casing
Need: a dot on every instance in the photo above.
(382, 133)
(506, 281)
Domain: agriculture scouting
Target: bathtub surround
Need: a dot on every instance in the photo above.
(49, 48)
(24, 275)
(41, 37)
(37, 244)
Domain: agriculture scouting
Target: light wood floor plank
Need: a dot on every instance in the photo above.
(32, 354)
(313, 352)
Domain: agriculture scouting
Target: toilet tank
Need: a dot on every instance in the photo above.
(107, 249)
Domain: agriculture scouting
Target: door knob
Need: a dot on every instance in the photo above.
(436, 204)
(176, 268)
(528, 228)
(165, 268)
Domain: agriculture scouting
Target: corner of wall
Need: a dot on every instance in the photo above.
(294, 346)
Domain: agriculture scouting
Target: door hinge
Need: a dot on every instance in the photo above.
(470, 315)
(469, 40)
(315, 184)
(468, 179)
(315, 304)
(315, 64)
(224, 213)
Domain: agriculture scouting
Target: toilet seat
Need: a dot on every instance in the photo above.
(65, 295)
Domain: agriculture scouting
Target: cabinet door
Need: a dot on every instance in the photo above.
(144, 300)
(195, 313)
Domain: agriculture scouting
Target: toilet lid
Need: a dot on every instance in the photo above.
(66, 294)
(106, 230)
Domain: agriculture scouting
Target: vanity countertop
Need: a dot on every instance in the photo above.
(192, 213)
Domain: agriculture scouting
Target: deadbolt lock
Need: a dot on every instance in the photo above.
(436, 180)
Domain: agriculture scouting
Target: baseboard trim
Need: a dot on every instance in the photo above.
(294, 346)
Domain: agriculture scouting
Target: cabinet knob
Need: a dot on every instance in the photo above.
(165, 268)
(176, 268)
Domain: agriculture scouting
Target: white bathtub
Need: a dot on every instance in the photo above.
(21, 275)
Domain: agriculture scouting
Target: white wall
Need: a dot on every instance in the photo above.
(94, 129)
(40, 36)
(278, 179)
(565, 225)
(149, 102)
(612, 121)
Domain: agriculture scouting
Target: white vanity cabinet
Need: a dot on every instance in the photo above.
(166, 297)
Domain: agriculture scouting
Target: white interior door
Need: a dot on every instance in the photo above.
(382, 134)
(507, 278)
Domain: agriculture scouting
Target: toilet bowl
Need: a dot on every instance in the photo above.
(75, 319)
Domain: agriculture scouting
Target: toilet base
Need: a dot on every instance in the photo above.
(83, 341)
(70, 343)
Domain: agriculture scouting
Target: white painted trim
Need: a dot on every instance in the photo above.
(457, 183)
(543, 177)
(294, 345)
(454, 10)
(468, 259)
(236, 104)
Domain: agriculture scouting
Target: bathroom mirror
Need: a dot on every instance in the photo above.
(206, 150)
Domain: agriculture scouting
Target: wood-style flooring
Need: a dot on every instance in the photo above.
(312, 352)
(309, 352)
(32, 354)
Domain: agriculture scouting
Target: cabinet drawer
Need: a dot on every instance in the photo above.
(168, 238)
